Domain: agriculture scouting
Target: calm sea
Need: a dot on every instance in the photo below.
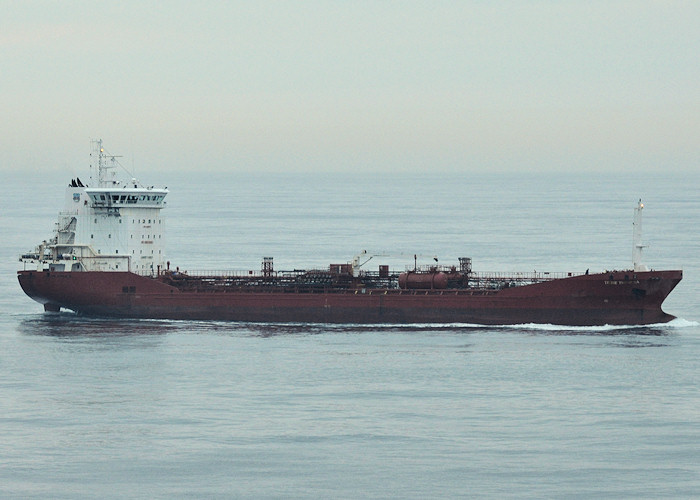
(177, 409)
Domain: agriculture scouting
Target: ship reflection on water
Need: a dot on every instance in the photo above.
(71, 326)
(68, 325)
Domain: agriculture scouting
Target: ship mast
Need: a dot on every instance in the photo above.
(103, 167)
(637, 238)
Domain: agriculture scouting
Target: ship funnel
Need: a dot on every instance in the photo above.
(637, 238)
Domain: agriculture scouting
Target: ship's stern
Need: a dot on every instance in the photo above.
(29, 284)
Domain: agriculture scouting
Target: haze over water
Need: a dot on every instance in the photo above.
(161, 409)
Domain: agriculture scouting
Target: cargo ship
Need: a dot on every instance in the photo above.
(107, 259)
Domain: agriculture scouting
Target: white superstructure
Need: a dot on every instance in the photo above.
(113, 226)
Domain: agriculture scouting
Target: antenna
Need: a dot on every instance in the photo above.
(637, 238)
(103, 166)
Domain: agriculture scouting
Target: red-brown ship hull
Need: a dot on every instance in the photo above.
(618, 298)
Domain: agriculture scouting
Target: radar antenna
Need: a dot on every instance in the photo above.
(105, 164)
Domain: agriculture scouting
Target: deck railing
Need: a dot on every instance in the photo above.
(516, 277)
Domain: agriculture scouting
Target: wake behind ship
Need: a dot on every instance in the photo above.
(107, 258)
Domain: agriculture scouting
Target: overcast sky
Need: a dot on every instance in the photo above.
(355, 86)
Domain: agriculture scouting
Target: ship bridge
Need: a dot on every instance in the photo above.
(116, 226)
(127, 196)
